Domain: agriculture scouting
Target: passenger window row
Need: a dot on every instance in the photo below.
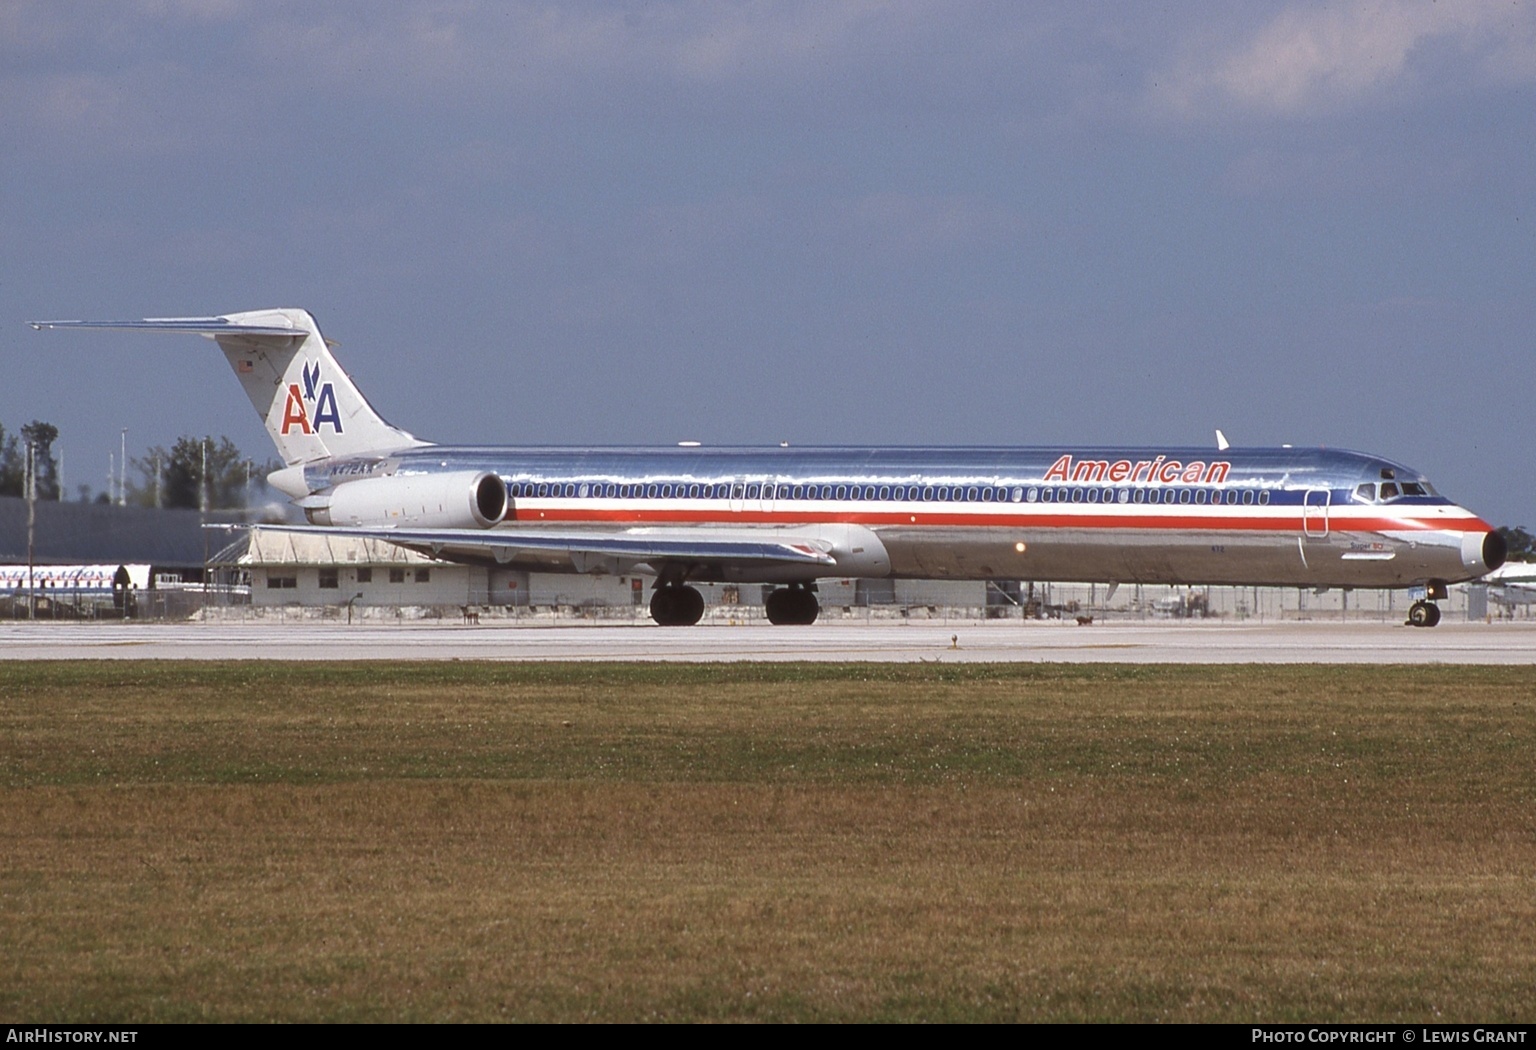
(899, 493)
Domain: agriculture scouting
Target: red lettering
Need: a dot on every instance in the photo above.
(1120, 471)
(1136, 474)
(1090, 470)
(1217, 474)
(293, 412)
(1193, 471)
(1058, 471)
(1170, 471)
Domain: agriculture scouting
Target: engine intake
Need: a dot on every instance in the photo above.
(462, 500)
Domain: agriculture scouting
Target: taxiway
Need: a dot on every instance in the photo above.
(957, 641)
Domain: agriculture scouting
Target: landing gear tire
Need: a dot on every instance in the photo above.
(792, 605)
(1423, 614)
(677, 606)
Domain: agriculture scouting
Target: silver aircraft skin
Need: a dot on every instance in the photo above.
(1273, 516)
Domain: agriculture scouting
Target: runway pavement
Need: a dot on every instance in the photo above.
(957, 641)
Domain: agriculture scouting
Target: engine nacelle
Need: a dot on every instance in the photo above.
(462, 500)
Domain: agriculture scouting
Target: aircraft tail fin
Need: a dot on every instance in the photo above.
(311, 408)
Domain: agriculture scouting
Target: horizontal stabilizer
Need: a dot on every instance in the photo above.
(209, 326)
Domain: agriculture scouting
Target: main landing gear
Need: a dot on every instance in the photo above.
(674, 605)
(795, 604)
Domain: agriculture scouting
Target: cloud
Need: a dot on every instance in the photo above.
(1311, 59)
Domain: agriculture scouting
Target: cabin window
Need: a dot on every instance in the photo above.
(584, 491)
(1365, 493)
(1184, 495)
(1389, 490)
(1413, 488)
(1264, 497)
(543, 489)
(1248, 496)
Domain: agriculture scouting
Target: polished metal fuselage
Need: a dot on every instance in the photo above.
(1120, 515)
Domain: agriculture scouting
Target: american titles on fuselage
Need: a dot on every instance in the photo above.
(1160, 469)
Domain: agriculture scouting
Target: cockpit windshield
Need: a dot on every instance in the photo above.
(1387, 491)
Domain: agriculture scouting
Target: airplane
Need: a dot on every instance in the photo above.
(788, 516)
(1512, 584)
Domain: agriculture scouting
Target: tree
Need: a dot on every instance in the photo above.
(179, 474)
(12, 465)
(45, 466)
(1521, 544)
(13, 460)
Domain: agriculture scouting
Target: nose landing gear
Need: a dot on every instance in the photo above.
(1423, 614)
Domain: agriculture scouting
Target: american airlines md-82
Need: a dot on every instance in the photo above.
(790, 516)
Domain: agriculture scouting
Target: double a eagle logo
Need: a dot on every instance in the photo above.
(312, 407)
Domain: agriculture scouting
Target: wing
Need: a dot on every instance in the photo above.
(695, 553)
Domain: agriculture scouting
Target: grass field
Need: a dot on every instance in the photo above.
(750, 842)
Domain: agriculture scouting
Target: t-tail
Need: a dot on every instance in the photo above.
(310, 406)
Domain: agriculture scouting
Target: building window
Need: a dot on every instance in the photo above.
(365, 575)
(330, 579)
(423, 575)
(282, 583)
(396, 575)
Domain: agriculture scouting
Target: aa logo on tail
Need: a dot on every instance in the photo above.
(313, 407)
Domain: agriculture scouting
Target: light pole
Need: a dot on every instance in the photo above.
(31, 494)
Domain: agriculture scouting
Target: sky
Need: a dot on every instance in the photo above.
(823, 223)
